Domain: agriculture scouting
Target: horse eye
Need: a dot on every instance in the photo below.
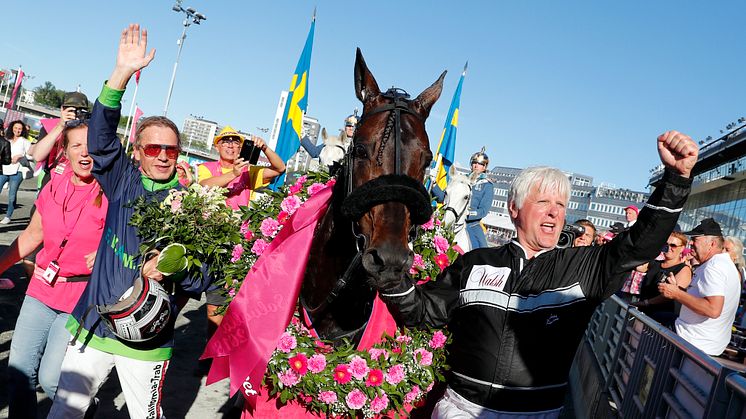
(360, 151)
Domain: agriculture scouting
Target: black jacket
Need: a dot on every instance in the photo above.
(5, 157)
(516, 323)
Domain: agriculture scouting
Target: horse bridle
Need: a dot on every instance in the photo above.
(458, 215)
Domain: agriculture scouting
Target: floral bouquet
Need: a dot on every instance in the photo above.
(342, 382)
(191, 227)
(432, 249)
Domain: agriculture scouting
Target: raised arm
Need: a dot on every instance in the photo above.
(40, 150)
(276, 165)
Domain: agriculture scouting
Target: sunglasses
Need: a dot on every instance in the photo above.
(230, 141)
(674, 245)
(154, 150)
(74, 123)
(479, 163)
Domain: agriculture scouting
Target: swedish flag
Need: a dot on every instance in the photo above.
(447, 144)
(288, 139)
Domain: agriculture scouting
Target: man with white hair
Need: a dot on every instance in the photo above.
(517, 313)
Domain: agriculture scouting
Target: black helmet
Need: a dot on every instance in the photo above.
(141, 313)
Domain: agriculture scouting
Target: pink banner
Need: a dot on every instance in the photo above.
(261, 311)
(133, 130)
(19, 80)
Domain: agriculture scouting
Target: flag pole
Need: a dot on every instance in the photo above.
(128, 127)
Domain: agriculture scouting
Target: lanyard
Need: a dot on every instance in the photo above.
(65, 202)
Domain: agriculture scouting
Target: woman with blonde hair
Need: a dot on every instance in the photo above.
(734, 247)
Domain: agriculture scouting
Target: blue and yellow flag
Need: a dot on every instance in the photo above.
(288, 140)
(447, 145)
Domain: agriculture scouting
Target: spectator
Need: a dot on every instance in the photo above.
(630, 291)
(734, 247)
(47, 150)
(506, 307)
(589, 233)
(346, 136)
(68, 223)
(709, 306)
(651, 301)
(16, 134)
(232, 172)
(482, 192)
(630, 213)
(95, 349)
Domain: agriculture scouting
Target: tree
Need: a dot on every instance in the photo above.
(47, 94)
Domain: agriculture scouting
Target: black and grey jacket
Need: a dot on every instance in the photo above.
(515, 322)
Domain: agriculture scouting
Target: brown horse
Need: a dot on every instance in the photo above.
(377, 201)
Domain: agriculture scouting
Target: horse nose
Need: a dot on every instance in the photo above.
(385, 258)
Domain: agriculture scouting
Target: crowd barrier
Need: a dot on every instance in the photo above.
(630, 366)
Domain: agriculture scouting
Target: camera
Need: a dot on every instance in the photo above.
(82, 114)
(249, 152)
(568, 235)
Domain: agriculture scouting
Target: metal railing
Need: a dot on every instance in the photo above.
(649, 371)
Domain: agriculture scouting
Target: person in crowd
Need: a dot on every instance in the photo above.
(734, 247)
(184, 173)
(241, 179)
(505, 307)
(482, 193)
(630, 291)
(709, 305)
(68, 222)
(235, 174)
(651, 301)
(47, 149)
(630, 214)
(16, 134)
(314, 150)
(95, 348)
(589, 233)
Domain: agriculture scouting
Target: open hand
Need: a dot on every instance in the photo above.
(677, 152)
(131, 56)
(150, 268)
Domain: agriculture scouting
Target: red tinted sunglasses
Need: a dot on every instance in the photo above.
(154, 150)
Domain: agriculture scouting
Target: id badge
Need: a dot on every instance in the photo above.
(50, 274)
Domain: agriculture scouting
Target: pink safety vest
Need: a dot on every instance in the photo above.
(239, 189)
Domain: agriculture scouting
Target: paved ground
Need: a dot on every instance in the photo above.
(186, 395)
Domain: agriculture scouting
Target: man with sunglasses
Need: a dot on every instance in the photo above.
(95, 349)
(482, 193)
(709, 304)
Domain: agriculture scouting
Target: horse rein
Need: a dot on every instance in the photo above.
(458, 215)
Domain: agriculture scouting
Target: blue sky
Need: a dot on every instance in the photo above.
(585, 86)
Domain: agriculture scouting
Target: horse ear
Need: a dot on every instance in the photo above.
(429, 96)
(366, 86)
(452, 171)
(323, 134)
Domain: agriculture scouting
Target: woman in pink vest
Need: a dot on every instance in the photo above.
(241, 179)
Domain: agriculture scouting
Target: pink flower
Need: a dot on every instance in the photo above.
(412, 395)
(403, 338)
(375, 378)
(290, 204)
(342, 374)
(376, 353)
(317, 363)
(458, 249)
(424, 356)
(269, 227)
(301, 180)
(379, 403)
(299, 363)
(294, 189)
(395, 374)
(282, 216)
(287, 343)
(315, 188)
(328, 397)
(441, 244)
(175, 206)
(248, 235)
(288, 379)
(244, 227)
(331, 181)
(232, 292)
(442, 261)
(359, 367)
(438, 222)
(417, 264)
(438, 340)
(260, 245)
(237, 252)
(356, 399)
(430, 386)
(429, 225)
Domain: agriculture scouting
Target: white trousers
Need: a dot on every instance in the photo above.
(85, 369)
(454, 406)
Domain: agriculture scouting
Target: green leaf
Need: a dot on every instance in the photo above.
(172, 259)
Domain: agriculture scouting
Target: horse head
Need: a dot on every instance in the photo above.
(458, 195)
(335, 147)
(385, 166)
